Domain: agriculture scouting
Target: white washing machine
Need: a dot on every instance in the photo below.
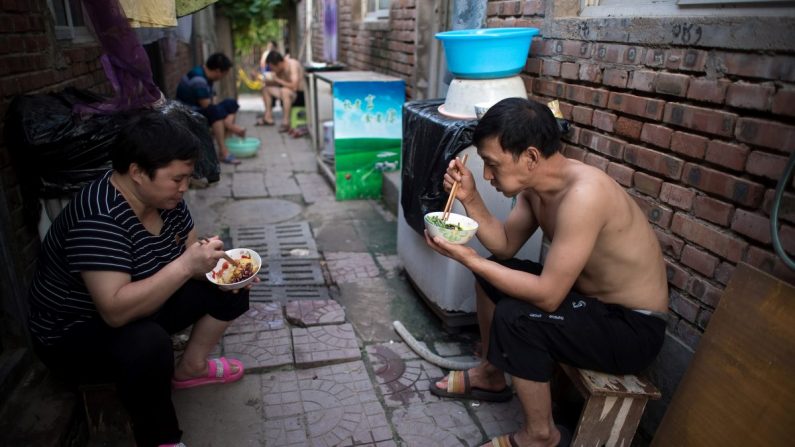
(444, 282)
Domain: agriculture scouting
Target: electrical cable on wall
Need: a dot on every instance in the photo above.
(782, 183)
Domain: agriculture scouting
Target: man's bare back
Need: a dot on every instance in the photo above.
(625, 266)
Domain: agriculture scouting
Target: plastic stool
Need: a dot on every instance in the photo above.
(297, 117)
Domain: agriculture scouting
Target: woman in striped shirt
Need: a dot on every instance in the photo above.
(121, 270)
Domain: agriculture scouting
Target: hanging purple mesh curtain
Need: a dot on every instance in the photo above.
(124, 60)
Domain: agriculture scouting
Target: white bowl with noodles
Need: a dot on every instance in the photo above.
(224, 273)
(458, 229)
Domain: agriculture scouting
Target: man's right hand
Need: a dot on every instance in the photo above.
(456, 171)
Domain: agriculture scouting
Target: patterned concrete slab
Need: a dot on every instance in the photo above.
(292, 272)
(303, 161)
(320, 345)
(351, 266)
(499, 418)
(260, 350)
(216, 415)
(248, 184)
(314, 313)
(341, 406)
(439, 424)
(402, 382)
(259, 211)
(275, 241)
(259, 317)
(284, 294)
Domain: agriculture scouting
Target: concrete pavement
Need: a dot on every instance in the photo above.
(324, 366)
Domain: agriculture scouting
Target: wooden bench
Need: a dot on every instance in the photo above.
(613, 406)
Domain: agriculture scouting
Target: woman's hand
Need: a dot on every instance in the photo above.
(200, 257)
(456, 171)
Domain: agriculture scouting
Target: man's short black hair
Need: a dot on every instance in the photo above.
(519, 123)
(274, 57)
(218, 61)
(152, 140)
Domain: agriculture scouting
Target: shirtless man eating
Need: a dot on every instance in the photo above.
(285, 84)
(600, 300)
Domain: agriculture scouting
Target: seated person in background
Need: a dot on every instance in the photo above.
(121, 269)
(599, 301)
(196, 90)
(286, 84)
(263, 60)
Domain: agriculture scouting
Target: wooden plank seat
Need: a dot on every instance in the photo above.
(613, 406)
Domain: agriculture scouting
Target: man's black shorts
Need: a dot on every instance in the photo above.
(583, 332)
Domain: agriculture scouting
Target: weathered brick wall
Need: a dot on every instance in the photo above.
(32, 61)
(387, 48)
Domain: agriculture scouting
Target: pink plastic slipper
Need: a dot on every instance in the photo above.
(218, 371)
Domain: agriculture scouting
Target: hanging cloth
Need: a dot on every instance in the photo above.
(150, 13)
(185, 7)
(124, 60)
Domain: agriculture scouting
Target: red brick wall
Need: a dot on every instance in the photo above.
(32, 61)
(388, 49)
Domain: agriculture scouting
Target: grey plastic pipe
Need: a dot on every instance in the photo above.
(428, 355)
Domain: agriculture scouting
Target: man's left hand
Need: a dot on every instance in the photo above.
(460, 253)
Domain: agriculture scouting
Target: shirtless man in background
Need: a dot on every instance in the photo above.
(286, 84)
(600, 299)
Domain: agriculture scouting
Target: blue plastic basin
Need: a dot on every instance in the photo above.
(487, 53)
(243, 147)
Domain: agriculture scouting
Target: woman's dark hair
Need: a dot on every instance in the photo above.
(218, 61)
(153, 140)
(274, 57)
(519, 123)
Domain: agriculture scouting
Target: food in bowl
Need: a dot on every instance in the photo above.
(228, 276)
(457, 229)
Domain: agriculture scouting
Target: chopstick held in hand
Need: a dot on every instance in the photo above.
(453, 190)
(225, 256)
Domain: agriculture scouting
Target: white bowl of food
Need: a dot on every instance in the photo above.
(230, 277)
(457, 229)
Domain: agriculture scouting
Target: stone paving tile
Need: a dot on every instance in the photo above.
(402, 382)
(248, 184)
(281, 397)
(259, 317)
(314, 313)
(448, 349)
(281, 184)
(401, 349)
(341, 406)
(498, 418)
(440, 424)
(287, 432)
(304, 161)
(285, 294)
(222, 188)
(351, 266)
(319, 345)
(258, 350)
(313, 187)
(390, 263)
(259, 211)
(221, 415)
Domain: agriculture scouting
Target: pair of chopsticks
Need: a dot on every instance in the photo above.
(225, 256)
(453, 190)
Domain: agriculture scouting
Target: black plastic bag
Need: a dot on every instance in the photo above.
(56, 151)
(430, 141)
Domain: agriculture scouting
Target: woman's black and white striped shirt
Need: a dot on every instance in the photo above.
(97, 231)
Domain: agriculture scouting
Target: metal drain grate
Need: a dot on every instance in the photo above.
(292, 272)
(285, 240)
(282, 295)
